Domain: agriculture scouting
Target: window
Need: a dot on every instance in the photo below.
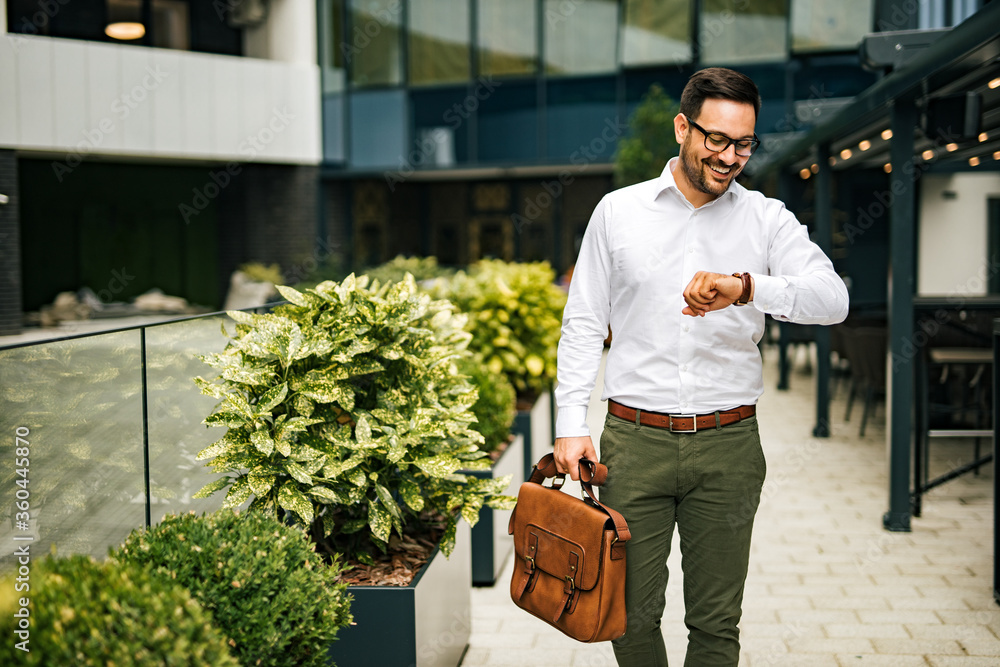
(656, 31)
(333, 47)
(739, 31)
(507, 35)
(372, 50)
(830, 25)
(439, 41)
(580, 36)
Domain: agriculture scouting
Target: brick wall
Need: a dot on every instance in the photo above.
(11, 316)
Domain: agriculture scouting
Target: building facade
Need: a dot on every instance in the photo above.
(345, 132)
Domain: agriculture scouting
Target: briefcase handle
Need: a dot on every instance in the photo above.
(592, 474)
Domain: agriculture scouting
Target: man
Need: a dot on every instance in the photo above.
(668, 263)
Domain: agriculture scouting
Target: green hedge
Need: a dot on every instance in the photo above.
(267, 589)
(84, 613)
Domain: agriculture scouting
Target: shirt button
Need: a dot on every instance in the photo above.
(686, 328)
(691, 251)
(684, 367)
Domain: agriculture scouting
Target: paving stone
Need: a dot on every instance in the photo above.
(827, 586)
(878, 660)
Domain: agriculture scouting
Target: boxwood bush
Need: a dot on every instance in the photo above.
(269, 592)
(82, 613)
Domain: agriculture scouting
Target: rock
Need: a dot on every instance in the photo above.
(157, 302)
(66, 308)
(246, 293)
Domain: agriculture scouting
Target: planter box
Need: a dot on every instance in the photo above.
(425, 624)
(491, 545)
(536, 427)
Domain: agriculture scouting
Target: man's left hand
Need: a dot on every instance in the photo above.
(709, 291)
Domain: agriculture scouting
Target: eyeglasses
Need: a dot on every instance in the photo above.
(717, 143)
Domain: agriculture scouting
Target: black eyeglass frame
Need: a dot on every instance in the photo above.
(754, 143)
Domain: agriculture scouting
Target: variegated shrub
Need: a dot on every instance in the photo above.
(346, 413)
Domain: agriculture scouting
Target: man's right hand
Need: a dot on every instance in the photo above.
(569, 451)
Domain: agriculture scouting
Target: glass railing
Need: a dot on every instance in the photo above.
(99, 434)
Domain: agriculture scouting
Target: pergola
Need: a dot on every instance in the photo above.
(939, 110)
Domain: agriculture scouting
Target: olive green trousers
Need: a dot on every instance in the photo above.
(707, 483)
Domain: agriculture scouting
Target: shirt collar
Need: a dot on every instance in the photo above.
(666, 182)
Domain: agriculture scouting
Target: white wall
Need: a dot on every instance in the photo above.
(288, 35)
(75, 98)
(952, 243)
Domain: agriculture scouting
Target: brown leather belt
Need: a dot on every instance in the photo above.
(681, 423)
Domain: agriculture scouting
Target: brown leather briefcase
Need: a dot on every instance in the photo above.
(569, 569)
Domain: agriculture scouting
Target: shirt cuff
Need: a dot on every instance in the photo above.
(770, 295)
(571, 421)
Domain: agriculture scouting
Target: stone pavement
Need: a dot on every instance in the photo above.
(828, 586)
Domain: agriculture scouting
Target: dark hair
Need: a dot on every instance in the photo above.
(718, 83)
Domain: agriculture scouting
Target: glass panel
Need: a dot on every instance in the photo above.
(334, 50)
(77, 403)
(373, 50)
(656, 31)
(507, 37)
(580, 36)
(507, 128)
(176, 409)
(439, 41)
(830, 25)
(736, 31)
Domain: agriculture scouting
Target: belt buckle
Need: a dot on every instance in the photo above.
(694, 423)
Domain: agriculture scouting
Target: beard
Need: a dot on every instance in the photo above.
(695, 168)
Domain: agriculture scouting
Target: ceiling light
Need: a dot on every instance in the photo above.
(951, 148)
(887, 167)
(995, 83)
(125, 30)
(983, 137)
(846, 154)
(927, 154)
(865, 145)
(887, 134)
(805, 173)
(973, 161)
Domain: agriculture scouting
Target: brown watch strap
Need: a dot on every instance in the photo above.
(744, 298)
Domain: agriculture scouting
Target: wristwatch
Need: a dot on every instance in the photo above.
(744, 298)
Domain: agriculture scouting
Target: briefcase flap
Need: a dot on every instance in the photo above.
(564, 535)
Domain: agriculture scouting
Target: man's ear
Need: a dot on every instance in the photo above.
(681, 127)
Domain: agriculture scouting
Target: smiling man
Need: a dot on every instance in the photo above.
(662, 262)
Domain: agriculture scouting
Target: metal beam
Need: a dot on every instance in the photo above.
(824, 239)
(902, 232)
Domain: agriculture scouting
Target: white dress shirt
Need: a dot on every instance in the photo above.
(643, 245)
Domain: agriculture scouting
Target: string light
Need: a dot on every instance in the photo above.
(804, 174)
(927, 155)
(814, 168)
(973, 161)
(886, 135)
(846, 154)
(983, 137)
(951, 148)
(887, 167)
(995, 83)
(865, 145)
